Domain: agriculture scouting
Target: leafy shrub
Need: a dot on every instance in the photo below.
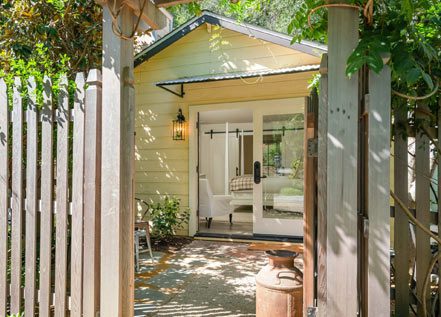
(291, 191)
(167, 217)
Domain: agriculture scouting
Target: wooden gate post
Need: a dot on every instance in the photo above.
(117, 168)
(341, 166)
(117, 174)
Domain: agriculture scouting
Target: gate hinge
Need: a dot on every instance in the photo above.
(313, 147)
(311, 311)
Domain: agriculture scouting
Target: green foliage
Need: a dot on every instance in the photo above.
(271, 14)
(69, 30)
(38, 66)
(406, 32)
(48, 38)
(297, 168)
(291, 191)
(167, 217)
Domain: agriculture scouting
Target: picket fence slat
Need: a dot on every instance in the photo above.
(77, 199)
(4, 197)
(47, 175)
(92, 195)
(52, 255)
(62, 199)
(401, 225)
(31, 199)
(17, 199)
(422, 199)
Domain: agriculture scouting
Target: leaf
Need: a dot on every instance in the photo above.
(374, 61)
(413, 75)
(291, 26)
(428, 80)
(355, 65)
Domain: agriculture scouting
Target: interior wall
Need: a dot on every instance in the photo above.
(162, 164)
(212, 154)
(248, 154)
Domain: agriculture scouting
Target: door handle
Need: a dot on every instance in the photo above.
(257, 173)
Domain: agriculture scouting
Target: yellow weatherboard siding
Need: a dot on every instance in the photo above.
(162, 166)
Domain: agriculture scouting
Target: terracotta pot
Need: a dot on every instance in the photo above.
(279, 290)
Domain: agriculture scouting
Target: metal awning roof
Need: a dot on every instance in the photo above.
(231, 76)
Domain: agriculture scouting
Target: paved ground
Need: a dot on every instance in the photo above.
(202, 279)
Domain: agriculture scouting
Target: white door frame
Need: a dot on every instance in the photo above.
(262, 225)
(193, 142)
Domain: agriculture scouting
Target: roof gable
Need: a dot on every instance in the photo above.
(307, 47)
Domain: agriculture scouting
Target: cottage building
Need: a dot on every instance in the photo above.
(228, 76)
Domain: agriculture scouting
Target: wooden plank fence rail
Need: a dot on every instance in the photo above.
(4, 197)
(422, 204)
(17, 199)
(31, 199)
(322, 187)
(42, 191)
(76, 289)
(342, 157)
(406, 264)
(378, 230)
(92, 195)
(62, 193)
(47, 178)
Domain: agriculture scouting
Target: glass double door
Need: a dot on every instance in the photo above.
(278, 155)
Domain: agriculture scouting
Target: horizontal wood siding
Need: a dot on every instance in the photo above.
(162, 165)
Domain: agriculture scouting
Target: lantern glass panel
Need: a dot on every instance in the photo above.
(178, 130)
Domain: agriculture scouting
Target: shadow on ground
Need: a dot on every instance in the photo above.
(202, 279)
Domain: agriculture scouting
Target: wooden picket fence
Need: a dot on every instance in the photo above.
(50, 198)
(412, 269)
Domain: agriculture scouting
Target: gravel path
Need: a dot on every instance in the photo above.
(203, 279)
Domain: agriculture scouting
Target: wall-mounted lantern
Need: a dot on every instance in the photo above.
(179, 126)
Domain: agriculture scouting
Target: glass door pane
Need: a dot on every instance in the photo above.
(282, 166)
(279, 150)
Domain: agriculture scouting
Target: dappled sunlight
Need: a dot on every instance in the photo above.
(335, 141)
(203, 279)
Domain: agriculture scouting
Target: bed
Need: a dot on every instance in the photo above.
(280, 192)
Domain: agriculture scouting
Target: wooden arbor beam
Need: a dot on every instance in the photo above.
(169, 3)
(151, 14)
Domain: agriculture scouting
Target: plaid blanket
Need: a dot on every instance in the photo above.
(241, 183)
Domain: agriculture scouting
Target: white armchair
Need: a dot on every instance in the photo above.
(212, 205)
